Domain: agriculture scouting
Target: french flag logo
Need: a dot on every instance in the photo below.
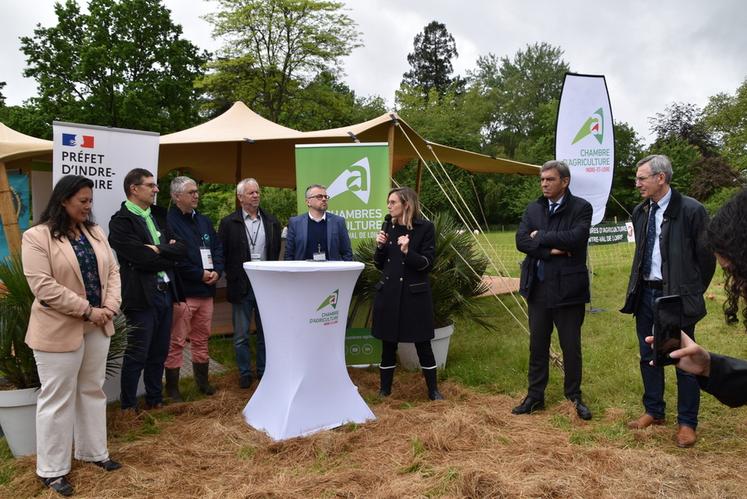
(72, 140)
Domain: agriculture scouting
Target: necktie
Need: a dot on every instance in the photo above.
(540, 263)
(650, 239)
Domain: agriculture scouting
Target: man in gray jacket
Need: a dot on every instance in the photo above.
(671, 258)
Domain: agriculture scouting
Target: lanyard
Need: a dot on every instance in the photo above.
(253, 240)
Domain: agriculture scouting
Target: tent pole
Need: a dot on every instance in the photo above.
(390, 142)
(237, 173)
(419, 176)
(8, 214)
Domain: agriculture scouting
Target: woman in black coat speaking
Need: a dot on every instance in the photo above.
(403, 307)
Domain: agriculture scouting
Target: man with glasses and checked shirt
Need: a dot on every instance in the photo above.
(671, 258)
(317, 235)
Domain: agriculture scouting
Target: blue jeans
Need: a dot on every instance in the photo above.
(688, 390)
(147, 348)
(242, 315)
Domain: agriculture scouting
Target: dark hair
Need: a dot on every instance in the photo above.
(135, 177)
(727, 236)
(55, 215)
(558, 166)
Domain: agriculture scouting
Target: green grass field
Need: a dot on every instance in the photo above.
(495, 360)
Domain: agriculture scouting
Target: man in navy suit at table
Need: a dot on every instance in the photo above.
(317, 235)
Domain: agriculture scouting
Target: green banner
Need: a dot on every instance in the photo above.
(361, 349)
(357, 181)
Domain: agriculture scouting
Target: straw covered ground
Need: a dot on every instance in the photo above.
(467, 446)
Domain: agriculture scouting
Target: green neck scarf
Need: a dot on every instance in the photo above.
(133, 208)
(154, 234)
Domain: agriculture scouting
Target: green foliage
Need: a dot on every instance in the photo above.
(683, 155)
(515, 89)
(217, 201)
(719, 198)
(430, 61)
(456, 277)
(124, 64)
(273, 48)
(725, 115)
(17, 363)
(628, 150)
(280, 202)
(683, 121)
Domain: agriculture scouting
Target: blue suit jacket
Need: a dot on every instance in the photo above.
(338, 241)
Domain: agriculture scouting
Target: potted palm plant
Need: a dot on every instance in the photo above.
(20, 379)
(456, 280)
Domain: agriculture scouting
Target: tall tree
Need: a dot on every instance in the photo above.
(123, 64)
(274, 48)
(2, 97)
(430, 60)
(515, 90)
(684, 121)
(726, 116)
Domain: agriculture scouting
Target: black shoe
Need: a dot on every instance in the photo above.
(581, 409)
(59, 484)
(528, 406)
(108, 464)
(245, 381)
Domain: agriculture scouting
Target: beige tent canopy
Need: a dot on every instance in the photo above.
(239, 143)
(16, 151)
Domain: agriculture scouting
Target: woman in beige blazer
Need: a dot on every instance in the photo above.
(71, 270)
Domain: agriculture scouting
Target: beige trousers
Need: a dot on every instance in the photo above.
(71, 405)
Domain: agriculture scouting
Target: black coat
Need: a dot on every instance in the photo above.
(567, 229)
(140, 265)
(236, 251)
(687, 265)
(727, 381)
(403, 306)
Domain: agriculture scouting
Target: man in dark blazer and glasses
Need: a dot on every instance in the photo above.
(554, 234)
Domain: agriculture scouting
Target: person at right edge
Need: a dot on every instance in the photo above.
(403, 306)
(671, 258)
(554, 234)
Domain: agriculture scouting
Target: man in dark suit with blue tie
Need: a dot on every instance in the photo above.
(317, 235)
(554, 234)
(671, 258)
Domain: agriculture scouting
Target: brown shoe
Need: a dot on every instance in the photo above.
(644, 422)
(685, 436)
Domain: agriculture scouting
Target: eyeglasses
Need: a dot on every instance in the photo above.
(150, 185)
(641, 179)
(320, 197)
(192, 193)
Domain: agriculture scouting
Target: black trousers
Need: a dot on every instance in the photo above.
(568, 321)
(424, 349)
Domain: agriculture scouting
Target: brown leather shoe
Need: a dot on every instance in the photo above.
(644, 422)
(685, 436)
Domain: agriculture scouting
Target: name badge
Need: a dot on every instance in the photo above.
(207, 258)
(320, 257)
(256, 257)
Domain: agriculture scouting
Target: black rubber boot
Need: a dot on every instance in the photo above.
(172, 385)
(201, 378)
(386, 376)
(431, 381)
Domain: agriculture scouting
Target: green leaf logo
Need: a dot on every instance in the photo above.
(594, 125)
(331, 300)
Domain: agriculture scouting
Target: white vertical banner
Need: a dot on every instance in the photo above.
(585, 140)
(105, 155)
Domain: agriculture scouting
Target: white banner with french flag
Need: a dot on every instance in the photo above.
(105, 155)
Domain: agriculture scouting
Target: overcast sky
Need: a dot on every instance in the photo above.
(652, 53)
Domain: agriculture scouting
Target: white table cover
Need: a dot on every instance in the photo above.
(306, 387)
